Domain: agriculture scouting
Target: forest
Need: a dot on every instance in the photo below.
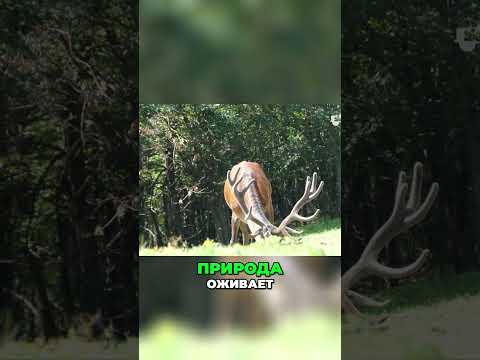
(397, 114)
(410, 93)
(78, 186)
(186, 151)
(255, 51)
(69, 178)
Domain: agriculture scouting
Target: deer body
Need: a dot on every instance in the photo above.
(258, 197)
(249, 195)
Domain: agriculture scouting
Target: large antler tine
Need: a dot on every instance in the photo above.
(348, 306)
(234, 180)
(400, 199)
(405, 214)
(314, 183)
(250, 182)
(256, 233)
(249, 214)
(388, 230)
(310, 193)
(307, 188)
(365, 300)
(423, 210)
(318, 191)
(235, 185)
(253, 218)
(398, 273)
(308, 218)
(402, 179)
(293, 230)
(416, 187)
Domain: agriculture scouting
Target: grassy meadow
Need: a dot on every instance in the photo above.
(308, 336)
(318, 239)
(429, 319)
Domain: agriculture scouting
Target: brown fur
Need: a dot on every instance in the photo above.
(263, 189)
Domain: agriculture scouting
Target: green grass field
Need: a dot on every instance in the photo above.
(445, 330)
(429, 319)
(312, 336)
(319, 239)
(439, 288)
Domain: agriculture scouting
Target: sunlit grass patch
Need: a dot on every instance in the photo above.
(319, 239)
(312, 336)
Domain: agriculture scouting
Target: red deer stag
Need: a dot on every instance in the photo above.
(248, 194)
(406, 214)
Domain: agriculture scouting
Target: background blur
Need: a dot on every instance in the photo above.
(410, 93)
(181, 319)
(255, 51)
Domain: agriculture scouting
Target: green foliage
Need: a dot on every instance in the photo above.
(312, 335)
(409, 93)
(69, 155)
(317, 239)
(441, 287)
(186, 151)
(252, 51)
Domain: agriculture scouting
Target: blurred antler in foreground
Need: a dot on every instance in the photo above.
(406, 213)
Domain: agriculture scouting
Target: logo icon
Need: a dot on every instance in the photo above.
(467, 45)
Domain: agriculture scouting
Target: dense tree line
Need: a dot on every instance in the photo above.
(186, 151)
(410, 93)
(69, 158)
(206, 52)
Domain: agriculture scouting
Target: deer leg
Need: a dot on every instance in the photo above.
(235, 226)
(245, 233)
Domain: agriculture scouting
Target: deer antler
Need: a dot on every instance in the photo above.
(405, 214)
(310, 193)
(239, 195)
(266, 228)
